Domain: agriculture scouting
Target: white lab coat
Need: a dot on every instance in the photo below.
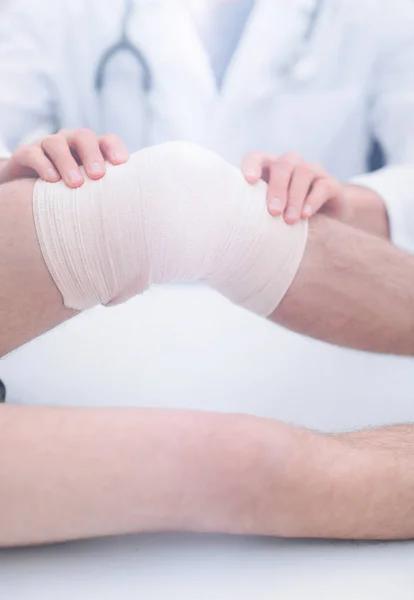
(361, 82)
(160, 353)
(396, 186)
(354, 82)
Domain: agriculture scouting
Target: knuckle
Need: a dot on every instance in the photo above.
(305, 170)
(51, 140)
(274, 162)
(324, 186)
(293, 157)
(110, 138)
(22, 152)
(315, 166)
(83, 134)
(336, 185)
(255, 155)
(284, 167)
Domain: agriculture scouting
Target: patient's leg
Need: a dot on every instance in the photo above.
(30, 303)
(182, 215)
(350, 289)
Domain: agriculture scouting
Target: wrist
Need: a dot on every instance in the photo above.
(203, 468)
(238, 473)
(279, 478)
(365, 209)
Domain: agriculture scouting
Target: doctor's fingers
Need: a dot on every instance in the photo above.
(27, 161)
(85, 145)
(256, 165)
(301, 183)
(113, 149)
(326, 192)
(56, 147)
(281, 173)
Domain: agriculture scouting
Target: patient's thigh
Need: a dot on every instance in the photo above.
(30, 303)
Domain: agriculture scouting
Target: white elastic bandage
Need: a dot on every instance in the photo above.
(174, 212)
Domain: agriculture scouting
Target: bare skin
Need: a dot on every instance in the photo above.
(296, 189)
(299, 189)
(94, 472)
(30, 303)
(60, 155)
(99, 472)
(352, 289)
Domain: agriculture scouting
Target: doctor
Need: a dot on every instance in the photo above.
(321, 78)
(324, 79)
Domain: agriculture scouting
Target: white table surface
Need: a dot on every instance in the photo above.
(185, 346)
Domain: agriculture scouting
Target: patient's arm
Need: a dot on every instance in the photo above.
(77, 473)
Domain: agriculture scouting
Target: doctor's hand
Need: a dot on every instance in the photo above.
(297, 189)
(59, 156)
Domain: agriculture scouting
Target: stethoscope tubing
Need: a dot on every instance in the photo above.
(126, 45)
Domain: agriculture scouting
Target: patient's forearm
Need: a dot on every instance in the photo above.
(68, 474)
(398, 438)
(78, 473)
(350, 486)
(352, 289)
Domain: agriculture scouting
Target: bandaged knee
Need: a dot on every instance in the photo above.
(173, 213)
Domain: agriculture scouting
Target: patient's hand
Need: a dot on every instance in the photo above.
(297, 189)
(59, 157)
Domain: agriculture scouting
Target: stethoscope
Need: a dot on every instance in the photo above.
(295, 66)
(2, 392)
(124, 45)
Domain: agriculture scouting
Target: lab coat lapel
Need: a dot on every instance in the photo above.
(273, 31)
(170, 37)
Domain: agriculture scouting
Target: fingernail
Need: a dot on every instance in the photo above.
(52, 174)
(276, 205)
(307, 210)
(120, 156)
(292, 213)
(96, 168)
(252, 174)
(74, 177)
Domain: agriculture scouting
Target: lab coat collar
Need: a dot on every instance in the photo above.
(273, 30)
